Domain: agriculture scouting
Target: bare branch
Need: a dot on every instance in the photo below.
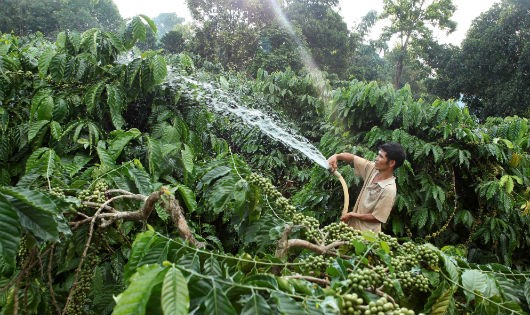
(284, 244)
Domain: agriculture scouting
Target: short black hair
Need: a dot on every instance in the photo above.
(394, 151)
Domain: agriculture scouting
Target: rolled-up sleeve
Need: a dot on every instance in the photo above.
(361, 166)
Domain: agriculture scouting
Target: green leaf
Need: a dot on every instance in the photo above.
(52, 160)
(76, 165)
(43, 161)
(56, 130)
(92, 96)
(509, 184)
(138, 29)
(212, 267)
(104, 157)
(527, 291)
(9, 231)
(420, 217)
(224, 83)
(161, 212)
(45, 109)
(154, 156)
(134, 299)
(263, 280)
(119, 139)
(35, 128)
(158, 64)
(44, 61)
(189, 198)
(287, 305)
(450, 268)
(149, 22)
(175, 295)
(214, 174)
(256, 304)
(442, 303)
(133, 70)
(57, 67)
(115, 101)
(187, 158)
(216, 303)
(140, 247)
(141, 180)
(116, 41)
(37, 212)
(474, 280)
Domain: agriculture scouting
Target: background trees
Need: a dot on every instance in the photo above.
(50, 17)
(494, 75)
(325, 32)
(409, 22)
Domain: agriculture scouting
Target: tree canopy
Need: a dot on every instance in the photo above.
(411, 21)
(50, 17)
(494, 73)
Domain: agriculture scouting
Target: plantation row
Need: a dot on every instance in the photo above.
(118, 179)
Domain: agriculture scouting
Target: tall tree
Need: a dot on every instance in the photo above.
(411, 22)
(277, 51)
(228, 30)
(365, 62)
(166, 22)
(324, 30)
(494, 75)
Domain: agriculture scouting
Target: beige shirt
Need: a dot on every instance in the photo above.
(375, 198)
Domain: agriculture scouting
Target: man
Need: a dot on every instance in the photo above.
(378, 193)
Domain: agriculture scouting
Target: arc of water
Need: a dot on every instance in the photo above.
(221, 102)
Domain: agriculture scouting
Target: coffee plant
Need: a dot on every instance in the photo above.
(123, 192)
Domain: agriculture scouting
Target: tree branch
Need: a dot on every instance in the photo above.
(284, 244)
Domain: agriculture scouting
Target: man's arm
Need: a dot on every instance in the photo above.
(333, 160)
(368, 217)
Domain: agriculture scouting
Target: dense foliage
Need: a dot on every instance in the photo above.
(497, 80)
(23, 17)
(125, 190)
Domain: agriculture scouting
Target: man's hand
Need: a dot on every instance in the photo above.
(332, 161)
(368, 217)
(346, 217)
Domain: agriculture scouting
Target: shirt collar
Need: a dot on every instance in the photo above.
(385, 182)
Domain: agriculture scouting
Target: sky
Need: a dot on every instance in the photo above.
(351, 10)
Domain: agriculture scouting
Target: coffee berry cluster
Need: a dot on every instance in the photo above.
(275, 197)
(351, 304)
(96, 194)
(383, 307)
(368, 278)
(58, 192)
(339, 231)
(80, 301)
(315, 265)
(413, 281)
(310, 224)
(427, 256)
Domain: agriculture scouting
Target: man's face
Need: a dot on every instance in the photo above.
(381, 161)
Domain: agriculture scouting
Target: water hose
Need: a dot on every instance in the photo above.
(345, 191)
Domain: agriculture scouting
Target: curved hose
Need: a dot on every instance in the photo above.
(345, 191)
